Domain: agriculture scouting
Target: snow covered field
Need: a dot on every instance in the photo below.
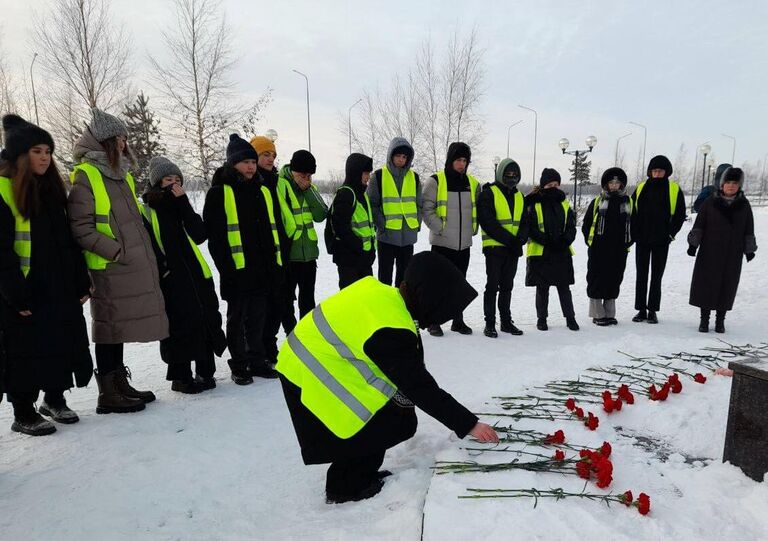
(225, 464)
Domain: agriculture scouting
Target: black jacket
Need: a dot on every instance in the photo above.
(652, 223)
(486, 217)
(190, 299)
(269, 179)
(555, 266)
(261, 273)
(42, 351)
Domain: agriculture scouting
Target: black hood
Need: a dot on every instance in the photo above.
(722, 168)
(457, 150)
(611, 173)
(356, 165)
(660, 162)
(435, 290)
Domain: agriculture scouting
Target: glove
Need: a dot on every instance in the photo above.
(750, 257)
(692, 250)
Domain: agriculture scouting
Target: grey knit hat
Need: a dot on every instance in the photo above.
(104, 126)
(161, 167)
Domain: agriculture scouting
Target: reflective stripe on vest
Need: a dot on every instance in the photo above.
(504, 215)
(595, 208)
(301, 214)
(441, 205)
(535, 249)
(22, 237)
(324, 355)
(362, 224)
(396, 206)
(674, 189)
(151, 216)
(233, 226)
(102, 206)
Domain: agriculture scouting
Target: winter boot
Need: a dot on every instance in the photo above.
(652, 317)
(541, 324)
(641, 315)
(570, 322)
(720, 321)
(262, 370)
(612, 321)
(60, 414)
(125, 389)
(186, 386)
(241, 377)
(435, 330)
(206, 383)
(509, 327)
(460, 327)
(110, 399)
(490, 331)
(602, 321)
(704, 321)
(35, 425)
(368, 492)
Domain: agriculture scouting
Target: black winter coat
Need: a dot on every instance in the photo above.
(555, 266)
(190, 299)
(399, 354)
(608, 252)
(269, 179)
(261, 274)
(723, 234)
(652, 224)
(486, 217)
(42, 351)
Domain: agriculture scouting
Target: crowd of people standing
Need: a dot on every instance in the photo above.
(136, 257)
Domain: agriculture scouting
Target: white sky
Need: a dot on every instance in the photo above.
(689, 69)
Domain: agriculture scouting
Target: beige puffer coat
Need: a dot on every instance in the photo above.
(126, 300)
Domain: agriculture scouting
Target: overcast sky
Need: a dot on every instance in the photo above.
(689, 70)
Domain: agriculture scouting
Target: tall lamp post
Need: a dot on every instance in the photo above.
(645, 137)
(591, 141)
(309, 131)
(693, 174)
(535, 138)
(616, 157)
(32, 80)
(710, 163)
(733, 151)
(349, 120)
(705, 149)
(509, 128)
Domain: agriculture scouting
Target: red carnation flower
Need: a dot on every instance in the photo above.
(570, 404)
(643, 503)
(579, 413)
(604, 472)
(557, 437)
(585, 453)
(626, 395)
(583, 469)
(605, 449)
(626, 498)
(653, 392)
(617, 405)
(559, 455)
(674, 382)
(664, 391)
(607, 401)
(592, 422)
(699, 378)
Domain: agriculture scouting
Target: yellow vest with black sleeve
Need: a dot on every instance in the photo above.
(324, 355)
(535, 249)
(22, 238)
(397, 207)
(362, 221)
(102, 206)
(504, 215)
(151, 215)
(595, 208)
(299, 220)
(233, 226)
(441, 206)
(674, 189)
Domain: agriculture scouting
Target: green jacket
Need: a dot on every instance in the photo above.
(304, 249)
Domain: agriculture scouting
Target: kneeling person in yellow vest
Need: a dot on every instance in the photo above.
(353, 370)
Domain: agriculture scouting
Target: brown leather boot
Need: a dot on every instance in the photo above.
(110, 399)
(121, 380)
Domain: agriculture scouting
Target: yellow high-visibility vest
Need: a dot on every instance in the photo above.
(151, 216)
(398, 206)
(233, 226)
(22, 239)
(441, 208)
(674, 189)
(535, 249)
(362, 221)
(300, 213)
(504, 215)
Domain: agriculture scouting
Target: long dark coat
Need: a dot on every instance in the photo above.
(723, 234)
(44, 350)
(607, 255)
(190, 299)
(555, 266)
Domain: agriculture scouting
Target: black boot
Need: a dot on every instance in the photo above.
(206, 383)
(186, 386)
(571, 323)
(241, 377)
(122, 375)
(435, 330)
(490, 331)
(720, 321)
(509, 327)
(59, 413)
(110, 399)
(652, 317)
(641, 315)
(704, 321)
(541, 324)
(460, 327)
(35, 425)
(262, 370)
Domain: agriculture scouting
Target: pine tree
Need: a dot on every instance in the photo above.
(580, 172)
(143, 136)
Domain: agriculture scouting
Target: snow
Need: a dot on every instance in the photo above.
(225, 464)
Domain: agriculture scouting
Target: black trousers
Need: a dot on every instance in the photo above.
(204, 367)
(393, 256)
(460, 258)
(348, 476)
(109, 357)
(24, 401)
(542, 301)
(245, 329)
(302, 275)
(656, 257)
(350, 275)
(500, 270)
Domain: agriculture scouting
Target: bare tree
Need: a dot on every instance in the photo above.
(195, 81)
(680, 168)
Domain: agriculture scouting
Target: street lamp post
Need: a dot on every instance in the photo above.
(309, 130)
(509, 128)
(535, 137)
(591, 141)
(693, 173)
(349, 120)
(645, 137)
(705, 149)
(616, 157)
(32, 80)
(710, 163)
(733, 151)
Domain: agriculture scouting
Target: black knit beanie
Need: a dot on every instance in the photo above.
(239, 149)
(303, 161)
(548, 175)
(614, 173)
(20, 136)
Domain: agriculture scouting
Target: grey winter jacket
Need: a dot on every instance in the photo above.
(405, 236)
(126, 300)
(457, 233)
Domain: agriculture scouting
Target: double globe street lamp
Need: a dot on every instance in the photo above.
(590, 141)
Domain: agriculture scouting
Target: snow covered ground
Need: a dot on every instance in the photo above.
(225, 464)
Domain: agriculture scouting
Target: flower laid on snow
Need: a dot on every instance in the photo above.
(598, 463)
(699, 378)
(626, 498)
(625, 394)
(591, 422)
(606, 449)
(570, 404)
(659, 394)
(643, 503)
(557, 437)
(609, 404)
(559, 455)
(579, 413)
(674, 382)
